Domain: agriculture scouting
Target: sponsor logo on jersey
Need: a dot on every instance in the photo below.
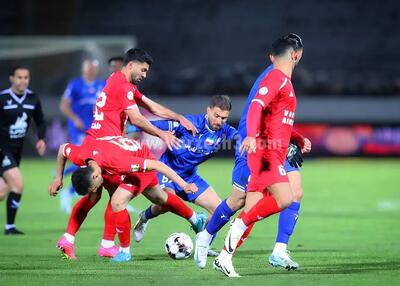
(18, 129)
(6, 162)
(288, 117)
(9, 105)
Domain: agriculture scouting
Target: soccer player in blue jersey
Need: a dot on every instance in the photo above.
(240, 178)
(212, 132)
(77, 104)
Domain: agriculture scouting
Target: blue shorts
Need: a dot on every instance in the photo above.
(76, 136)
(241, 173)
(196, 179)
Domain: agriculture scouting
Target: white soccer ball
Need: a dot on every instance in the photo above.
(179, 246)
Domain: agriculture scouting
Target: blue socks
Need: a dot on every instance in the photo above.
(287, 222)
(70, 169)
(148, 214)
(219, 218)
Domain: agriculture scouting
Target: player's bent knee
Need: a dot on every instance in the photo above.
(238, 203)
(298, 194)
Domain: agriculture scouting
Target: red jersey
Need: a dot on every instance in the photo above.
(278, 100)
(117, 96)
(119, 156)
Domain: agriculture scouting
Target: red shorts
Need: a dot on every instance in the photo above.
(138, 182)
(265, 170)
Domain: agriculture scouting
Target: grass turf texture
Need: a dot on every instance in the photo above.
(348, 234)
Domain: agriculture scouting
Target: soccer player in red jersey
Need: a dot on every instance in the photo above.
(269, 126)
(120, 98)
(114, 164)
(118, 102)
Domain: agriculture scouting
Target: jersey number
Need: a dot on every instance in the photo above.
(282, 170)
(99, 116)
(126, 144)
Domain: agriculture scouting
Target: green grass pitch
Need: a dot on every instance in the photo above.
(348, 234)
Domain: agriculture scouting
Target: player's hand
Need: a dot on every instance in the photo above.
(306, 146)
(294, 156)
(249, 145)
(170, 139)
(188, 125)
(78, 123)
(55, 186)
(41, 147)
(190, 188)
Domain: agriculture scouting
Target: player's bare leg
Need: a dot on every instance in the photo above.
(203, 239)
(280, 256)
(141, 225)
(166, 200)
(257, 207)
(4, 189)
(13, 178)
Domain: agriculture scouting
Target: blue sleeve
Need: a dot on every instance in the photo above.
(69, 91)
(167, 125)
(231, 132)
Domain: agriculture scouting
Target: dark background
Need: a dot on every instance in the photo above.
(209, 47)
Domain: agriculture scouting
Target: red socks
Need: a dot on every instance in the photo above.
(176, 205)
(264, 208)
(123, 227)
(109, 223)
(78, 214)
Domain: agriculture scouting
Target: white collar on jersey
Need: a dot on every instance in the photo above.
(17, 98)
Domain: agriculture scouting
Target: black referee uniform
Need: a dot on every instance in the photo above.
(16, 114)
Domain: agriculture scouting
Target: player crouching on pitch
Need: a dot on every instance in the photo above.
(123, 165)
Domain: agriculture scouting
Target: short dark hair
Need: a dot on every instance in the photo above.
(18, 67)
(281, 45)
(117, 59)
(137, 55)
(81, 180)
(221, 101)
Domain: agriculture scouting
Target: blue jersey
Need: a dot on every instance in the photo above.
(242, 130)
(83, 97)
(194, 149)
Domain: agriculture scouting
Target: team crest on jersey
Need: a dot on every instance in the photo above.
(263, 90)
(129, 95)
(9, 102)
(135, 167)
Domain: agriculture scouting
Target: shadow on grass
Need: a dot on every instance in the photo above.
(337, 268)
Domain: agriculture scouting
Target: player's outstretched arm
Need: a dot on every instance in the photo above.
(136, 118)
(166, 113)
(171, 174)
(166, 125)
(57, 183)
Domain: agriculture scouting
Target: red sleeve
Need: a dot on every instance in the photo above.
(297, 138)
(72, 153)
(128, 96)
(269, 89)
(253, 120)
